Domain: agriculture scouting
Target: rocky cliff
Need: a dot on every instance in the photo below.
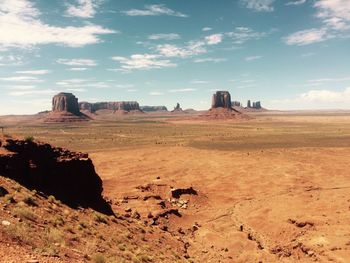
(69, 176)
(177, 108)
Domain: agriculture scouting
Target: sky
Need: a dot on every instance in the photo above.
(288, 54)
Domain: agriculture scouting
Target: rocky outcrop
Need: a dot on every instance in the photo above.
(249, 105)
(221, 99)
(69, 176)
(114, 106)
(65, 108)
(177, 108)
(153, 108)
(236, 104)
(257, 105)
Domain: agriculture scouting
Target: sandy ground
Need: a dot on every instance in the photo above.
(285, 198)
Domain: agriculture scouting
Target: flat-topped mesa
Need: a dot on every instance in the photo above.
(113, 106)
(221, 99)
(65, 102)
(153, 108)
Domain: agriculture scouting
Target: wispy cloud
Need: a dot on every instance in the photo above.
(182, 90)
(214, 60)
(31, 92)
(170, 36)
(154, 10)
(199, 82)
(259, 5)
(77, 69)
(205, 29)
(306, 37)
(21, 27)
(34, 72)
(296, 2)
(22, 79)
(214, 39)
(77, 62)
(191, 49)
(143, 62)
(83, 8)
(156, 93)
(240, 35)
(252, 58)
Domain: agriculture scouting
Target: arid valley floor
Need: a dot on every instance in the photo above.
(272, 188)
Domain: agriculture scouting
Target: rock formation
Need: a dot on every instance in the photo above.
(65, 102)
(115, 106)
(65, 108)
(177, 108)
(221, 99)
(221, 107)
(249, 104)
(69, 176)
(254, 105)
(236, 104)
(154, 108)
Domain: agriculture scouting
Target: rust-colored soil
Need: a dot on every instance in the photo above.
(274, 188)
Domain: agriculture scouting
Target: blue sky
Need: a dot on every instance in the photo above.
(290, 54)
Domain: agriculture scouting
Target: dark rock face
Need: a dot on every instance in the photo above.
(177, 108)
(65, 102)
(221, 99)
(249, 105)
(254, 105)
(114, 106)
(236, 104)
(153, 108)
(69, 176)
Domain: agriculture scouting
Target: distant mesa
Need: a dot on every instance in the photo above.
(122, 107)
(177, 109)
(221, 107)
(65, 108)
(154, 108)
(221, 99)
(251, 106)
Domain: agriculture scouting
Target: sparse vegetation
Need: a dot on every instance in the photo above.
(29, 139)
(98, 258)
(24, 213)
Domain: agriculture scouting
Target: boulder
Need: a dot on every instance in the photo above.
(221, 99)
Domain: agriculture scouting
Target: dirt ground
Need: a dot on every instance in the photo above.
(274, 188)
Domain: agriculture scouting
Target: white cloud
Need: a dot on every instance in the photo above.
(77, 69)
(143, 62)
(328, 9)
(171, 36)
(191, 49)
(156, 93)
(215, 60)
(243, 34)
(83, 9)
(21, 27)
(31, 92)
(251, 58)
(306, 37)
(10, 60)
(34, 72)
(76, 89)
(21, 79)
(296, 2)
(324, 80)
(182, 90)
(205, 29)
(199, 82)
(259, 5)
(214, 39)
(154, 10)
(77, 62)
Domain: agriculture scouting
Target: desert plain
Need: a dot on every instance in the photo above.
(272, 188)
